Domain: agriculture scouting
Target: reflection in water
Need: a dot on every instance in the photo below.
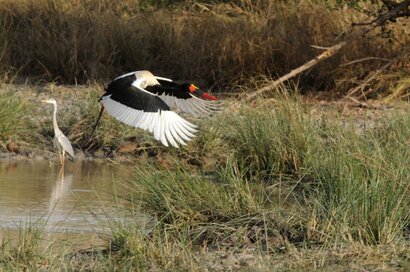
(61, 188)
(31, 191)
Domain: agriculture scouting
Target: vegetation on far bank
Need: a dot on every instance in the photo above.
(217, 44)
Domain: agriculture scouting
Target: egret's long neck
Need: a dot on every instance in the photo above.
(55, 117)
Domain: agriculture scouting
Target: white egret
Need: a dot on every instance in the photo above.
(60, 140)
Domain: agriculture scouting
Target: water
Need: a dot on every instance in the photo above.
(78, 200)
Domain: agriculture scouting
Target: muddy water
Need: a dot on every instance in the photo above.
(79, 199)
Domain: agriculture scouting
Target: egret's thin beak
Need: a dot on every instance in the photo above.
(44, 101)
(96, 123)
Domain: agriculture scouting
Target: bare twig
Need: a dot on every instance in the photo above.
(319, 47)
(361, 60)
(367, 81)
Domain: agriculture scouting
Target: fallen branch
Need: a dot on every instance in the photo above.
(395, 10)
(325, 55)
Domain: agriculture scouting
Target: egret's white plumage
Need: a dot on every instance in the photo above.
(60, 140)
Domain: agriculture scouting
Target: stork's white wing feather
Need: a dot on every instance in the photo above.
(167, 126)
(196, 106)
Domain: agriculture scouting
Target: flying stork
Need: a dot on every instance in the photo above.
(143, 100)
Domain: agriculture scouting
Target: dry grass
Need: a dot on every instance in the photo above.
(216, 45)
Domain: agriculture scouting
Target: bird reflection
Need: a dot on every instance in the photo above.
(61, 189)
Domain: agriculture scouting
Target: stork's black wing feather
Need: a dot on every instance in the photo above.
(120, 84)
(169, 88)
(179, 96)
(122, 91)
(134, 98)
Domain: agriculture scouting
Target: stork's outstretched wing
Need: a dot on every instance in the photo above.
(141, 109)
(197, 103)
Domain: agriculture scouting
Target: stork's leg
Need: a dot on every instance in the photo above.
(63, 156)
(96, 123)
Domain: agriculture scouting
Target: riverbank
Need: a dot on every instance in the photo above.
(26, 123)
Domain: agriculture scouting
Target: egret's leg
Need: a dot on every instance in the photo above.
(60, 157)
(62, 173)
(63, 156)
(62, 162)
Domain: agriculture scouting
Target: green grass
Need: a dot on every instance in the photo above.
(30, 250)
(295, 177)
(277, 180)
(356, 178)
(364, 183)
(273, 140)
(11, 116)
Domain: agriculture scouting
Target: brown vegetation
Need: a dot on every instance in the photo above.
(217, 45)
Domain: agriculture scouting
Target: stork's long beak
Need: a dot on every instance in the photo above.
(96, 123)
(204, 95)
(208, 97)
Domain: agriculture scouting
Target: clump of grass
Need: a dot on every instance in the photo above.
(148, 250)
(209, 210)
(273, 140)
(178, 196)
(364, 183)
(399, 90)
(12, 116)
(30, 251)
